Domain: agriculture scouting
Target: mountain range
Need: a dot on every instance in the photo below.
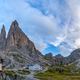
(17, 50)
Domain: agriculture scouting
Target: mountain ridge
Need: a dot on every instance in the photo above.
(17, 49)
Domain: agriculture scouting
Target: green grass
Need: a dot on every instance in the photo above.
(15, 75)
(56, 76)
(18, 58)
(60, 73)
(10, 73)
(23, 72)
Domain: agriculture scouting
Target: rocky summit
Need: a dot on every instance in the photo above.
(16, 49)
(17, 38)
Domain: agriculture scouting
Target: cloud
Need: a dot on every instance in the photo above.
(45, 21)
(74, 27)
(72, 39)
(77, 43)
(50, 28)
(58, 41)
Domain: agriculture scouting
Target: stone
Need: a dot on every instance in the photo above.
(17, 38)
(3, 38)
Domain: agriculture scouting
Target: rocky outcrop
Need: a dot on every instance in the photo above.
(59, 59)
(50, 58)
(17, 38)
(3, 38)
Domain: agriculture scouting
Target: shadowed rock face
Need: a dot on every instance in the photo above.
(55, 60)
(50, 58)
(59, 59)
(3, 38)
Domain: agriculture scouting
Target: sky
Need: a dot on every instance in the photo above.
(53, 25)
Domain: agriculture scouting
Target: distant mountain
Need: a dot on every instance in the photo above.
(75, 55)
(59, 59)
(16, 49)
(55, 60)
(50, 58)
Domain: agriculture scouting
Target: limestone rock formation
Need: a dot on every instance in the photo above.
(18, 50)
(59, 59)
(17, 38)
(3, 38)
(50, 58)
(55, 60)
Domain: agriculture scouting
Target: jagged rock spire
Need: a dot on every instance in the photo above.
(17, 38)
(3, 37)
(3, 32)
(14, 26)
(12, 34)
(17, 43)
(15, 23)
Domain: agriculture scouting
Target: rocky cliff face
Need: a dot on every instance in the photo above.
(17, 38)
(2, 38)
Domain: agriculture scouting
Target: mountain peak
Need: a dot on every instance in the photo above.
(3, 37)
(17, 38)
(3, 33)
(49, 55)
(3, 29)
(15, 23)
(59, 56)
(75, 55)
(17, 46)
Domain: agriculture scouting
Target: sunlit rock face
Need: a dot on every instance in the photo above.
(17, 38)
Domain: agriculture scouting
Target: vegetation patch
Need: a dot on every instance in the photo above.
(56, 76)
(10, 73)
(23, 72)
(18, 58)
(60, 73)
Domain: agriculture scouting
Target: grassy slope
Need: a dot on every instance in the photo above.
(56, 76)
(69, 73)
